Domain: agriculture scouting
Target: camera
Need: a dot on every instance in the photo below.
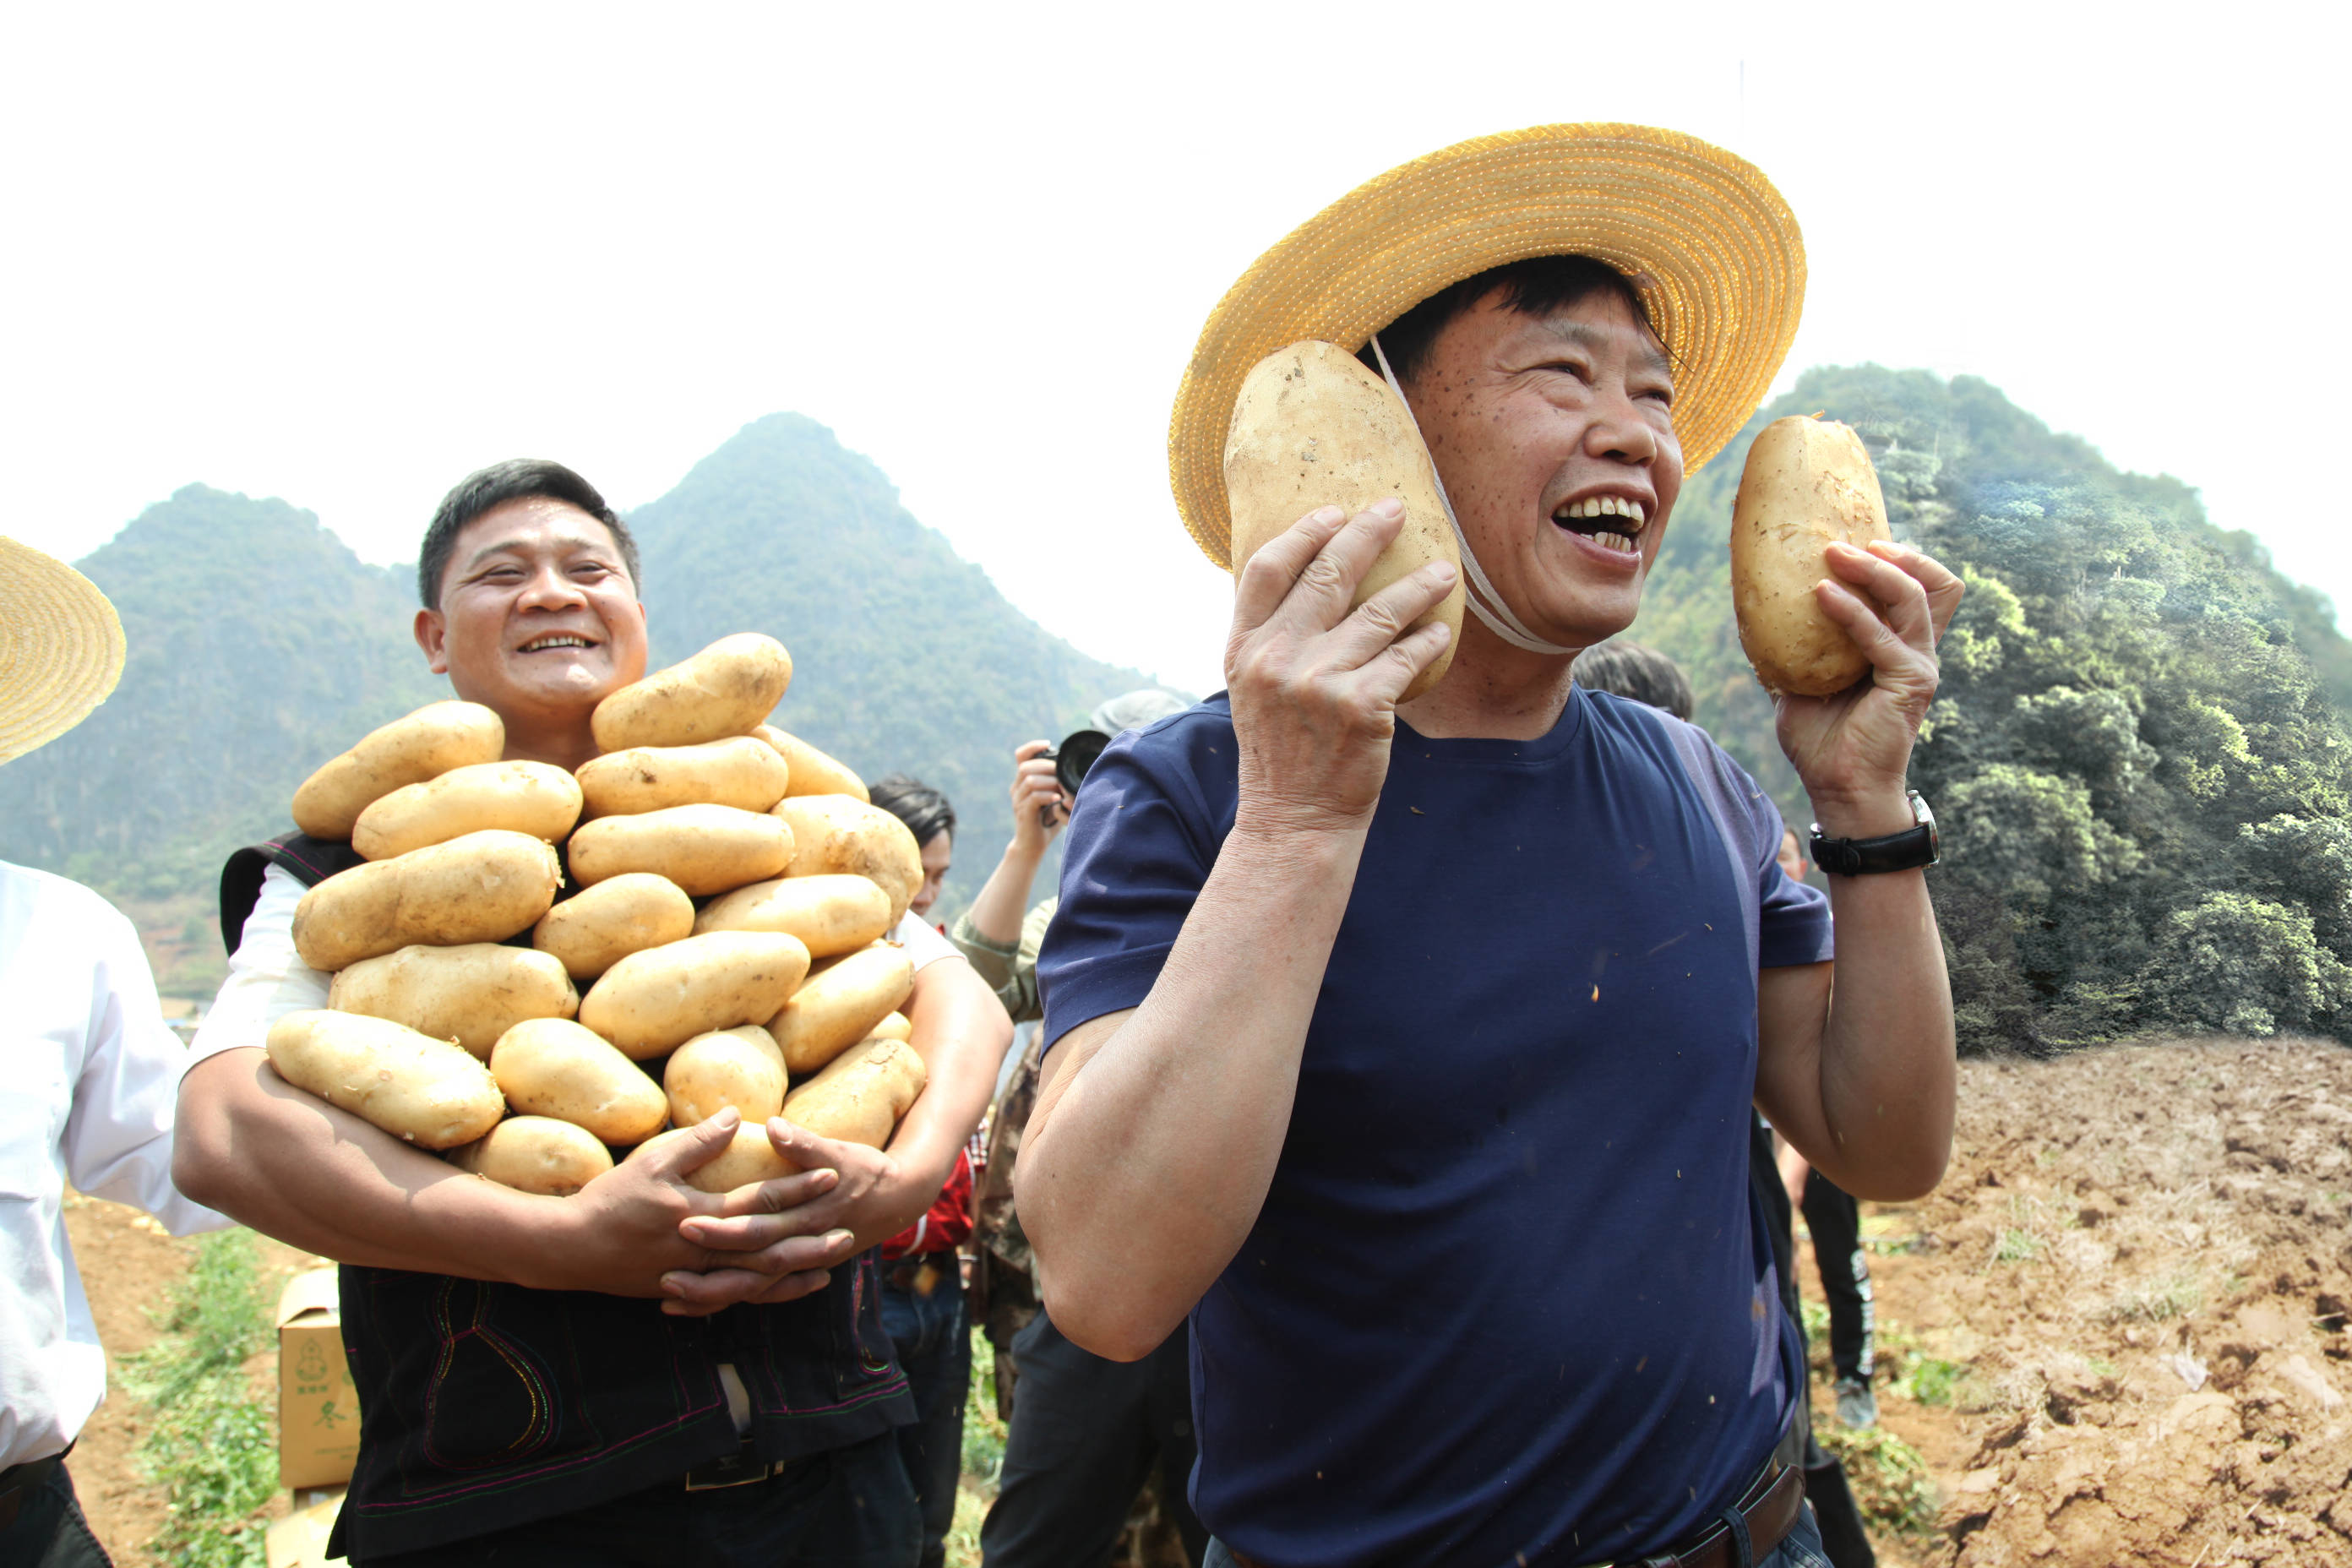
(1074, 757)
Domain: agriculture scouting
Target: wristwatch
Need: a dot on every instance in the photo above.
(1915, 847)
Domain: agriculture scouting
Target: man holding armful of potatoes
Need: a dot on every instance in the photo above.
(559, 1379)
(1407, 1042)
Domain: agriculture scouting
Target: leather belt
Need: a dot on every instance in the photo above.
(1766, 1511)
(19, 1482)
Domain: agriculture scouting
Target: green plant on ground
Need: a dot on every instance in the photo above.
(2158, 1300)
(2016, 1246)
(1890, 1480)
(213, 1446)
(1930, 1379)
(983, 1430)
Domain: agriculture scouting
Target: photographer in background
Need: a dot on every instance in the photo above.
(1086, 1433)
(922, 1278)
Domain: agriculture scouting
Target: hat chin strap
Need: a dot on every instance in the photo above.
(1484, 602)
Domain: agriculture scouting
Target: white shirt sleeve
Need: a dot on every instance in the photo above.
(922, 942)
(266, 978)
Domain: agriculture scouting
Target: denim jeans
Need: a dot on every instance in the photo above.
(1800, 1548)
(50, 1531)
(845, 1507)
(932, 1335)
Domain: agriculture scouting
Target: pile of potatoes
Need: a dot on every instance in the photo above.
(726, 942)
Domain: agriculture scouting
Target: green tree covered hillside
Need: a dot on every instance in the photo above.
(260, 646)
(2141, 773)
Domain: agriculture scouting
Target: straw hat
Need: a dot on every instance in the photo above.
(1709, 243)
(60, 648)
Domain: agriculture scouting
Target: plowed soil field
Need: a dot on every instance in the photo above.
(2115, 1333)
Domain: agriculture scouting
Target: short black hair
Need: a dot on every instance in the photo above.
(924, 810)
(1630, 669)
(1536, 287)
(499, 483)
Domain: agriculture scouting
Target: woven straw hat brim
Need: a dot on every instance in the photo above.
(60, 648)
(1713, 248)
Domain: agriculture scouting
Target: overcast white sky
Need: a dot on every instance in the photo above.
(345, 255)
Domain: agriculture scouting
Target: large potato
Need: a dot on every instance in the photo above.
(833, 834)
(471, 994)
(535, 1154)
(424, 1091)
(654, 1001)
(1808, 484)
(552, 1067)
(1312, 427)
(841, 1005)
(740, 1067)
(483, 886)
(830, 914)
(859, 1097)
(813, 771)
(741, 771)
(726, 690)
(521, 798)
(428, 743)
(597, 927)
(705, 849)
(749, 1157)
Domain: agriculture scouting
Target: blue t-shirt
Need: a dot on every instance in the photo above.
(1507, 1300)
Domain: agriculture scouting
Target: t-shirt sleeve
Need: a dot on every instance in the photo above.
(266, 978)
(1138, 851)
(1792, 918)
(923, 943)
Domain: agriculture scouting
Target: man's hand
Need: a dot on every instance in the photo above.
(1853, 749)
(632, 1228)
(764, 1238)
(1314, 685)
(1040, 809)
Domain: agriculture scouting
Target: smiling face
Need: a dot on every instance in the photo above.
(1555, 437)
(539, 622)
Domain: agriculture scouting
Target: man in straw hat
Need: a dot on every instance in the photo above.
(1409, 1047)
(90, 1071)
(640, 1373)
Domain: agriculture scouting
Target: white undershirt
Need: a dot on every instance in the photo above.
(88, 1079)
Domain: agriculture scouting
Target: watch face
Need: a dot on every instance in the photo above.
(1925, 818)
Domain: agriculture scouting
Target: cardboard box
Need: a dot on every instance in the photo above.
(300, 1539)
(318, 1408)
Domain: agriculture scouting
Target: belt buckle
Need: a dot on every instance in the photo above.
(741, 1469)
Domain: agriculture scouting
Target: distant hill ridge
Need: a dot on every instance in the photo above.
(260, 646)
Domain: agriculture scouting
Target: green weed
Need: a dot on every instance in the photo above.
(214, 1447)
(2016, 1247)
(983, 1431)
(1930, 1379)
(1890, 1480)
(2157, 1301)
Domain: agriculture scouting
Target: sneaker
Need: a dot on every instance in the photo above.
(1856, 1406)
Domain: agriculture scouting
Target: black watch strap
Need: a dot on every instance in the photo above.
(1914, 849)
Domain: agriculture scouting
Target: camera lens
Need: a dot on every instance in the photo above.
(1074, 755)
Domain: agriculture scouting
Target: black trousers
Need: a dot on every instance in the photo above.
(50, 1531)
(1085, 1433)
(1835, 1220)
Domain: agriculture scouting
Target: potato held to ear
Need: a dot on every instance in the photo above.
(521, 798)
(422, 1090)
(726, 690)
(1808, 484)
(1312, 427)
(426, 744)
(483, 886)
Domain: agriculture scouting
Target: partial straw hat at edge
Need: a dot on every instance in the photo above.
(60, 648)
(1712, 248)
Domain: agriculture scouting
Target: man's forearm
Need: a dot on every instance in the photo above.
(295, 1168)
(1155, 1136)
(1003, 898)
(1888, 1073)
